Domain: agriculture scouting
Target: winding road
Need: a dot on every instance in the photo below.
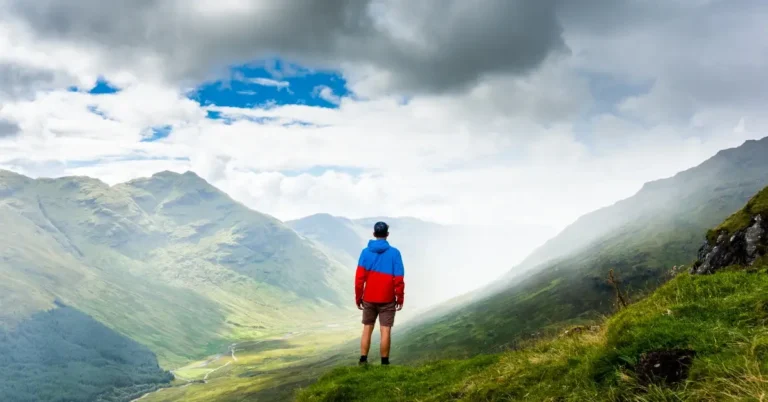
(232, 349)
(205, 379)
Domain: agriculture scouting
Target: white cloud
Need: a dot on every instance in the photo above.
(268, 82)
(325, 93)
(424, 159)
(514, 146)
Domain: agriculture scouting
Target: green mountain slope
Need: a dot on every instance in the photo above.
(65, 355)
(696, 338)
(169, 261)
(341, 237)
(714, 189)
(564, 281)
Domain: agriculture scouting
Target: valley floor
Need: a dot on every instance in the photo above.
(713, 326)
(269, 369)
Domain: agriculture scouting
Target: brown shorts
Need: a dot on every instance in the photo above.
(385, 312)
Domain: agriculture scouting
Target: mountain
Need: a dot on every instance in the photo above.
(727, 180)
(564, 281)
(169, 261)
(65, 355)
(440, 260)
(696, 338)
(340, 237)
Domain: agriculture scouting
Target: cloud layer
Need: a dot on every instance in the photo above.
(432, 46)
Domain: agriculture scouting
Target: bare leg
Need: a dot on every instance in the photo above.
(365, 341)
(386, 332)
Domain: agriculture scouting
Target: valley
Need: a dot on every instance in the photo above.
(265, 370)
(233, 304)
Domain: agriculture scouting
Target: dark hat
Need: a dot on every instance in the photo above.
(380, 229)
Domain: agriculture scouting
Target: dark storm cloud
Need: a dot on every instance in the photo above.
(21, 82)
(433, 46)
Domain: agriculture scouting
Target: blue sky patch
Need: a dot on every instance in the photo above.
(103, 87)
(272, 83)
(95, 110)
(158, 133)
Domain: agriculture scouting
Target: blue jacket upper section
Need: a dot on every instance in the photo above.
(380, 257)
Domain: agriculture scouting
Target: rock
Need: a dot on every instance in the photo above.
(741, 248)
(753, 235)
(664, 366)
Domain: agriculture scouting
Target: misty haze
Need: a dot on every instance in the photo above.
(383, 200)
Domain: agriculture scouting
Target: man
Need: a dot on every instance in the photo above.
(379, 290)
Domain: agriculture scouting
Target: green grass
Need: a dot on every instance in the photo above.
(265, 370)
(722, 317)
(741, 219)
(434, 381)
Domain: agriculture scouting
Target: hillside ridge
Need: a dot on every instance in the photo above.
(563, 282)
(697, 337)
(201, 268)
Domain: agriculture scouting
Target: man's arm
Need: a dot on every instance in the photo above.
(361, 275)
(399, 281)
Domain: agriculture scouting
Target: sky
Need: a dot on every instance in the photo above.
(513, 113)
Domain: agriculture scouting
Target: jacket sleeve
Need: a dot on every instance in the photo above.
(399, 279)
(361, 275)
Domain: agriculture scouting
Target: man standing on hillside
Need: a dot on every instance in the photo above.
(379, 290)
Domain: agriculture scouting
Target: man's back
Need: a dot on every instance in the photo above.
(379, 289)
(380, 274)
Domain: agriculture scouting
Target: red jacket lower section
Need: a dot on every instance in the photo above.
(377, 287)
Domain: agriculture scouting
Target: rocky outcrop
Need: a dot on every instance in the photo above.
(740, 248)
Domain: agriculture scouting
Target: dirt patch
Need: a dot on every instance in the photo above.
(665, 366)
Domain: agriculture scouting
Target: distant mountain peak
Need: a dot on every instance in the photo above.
(166, 180)
(172, 174)
(321, 217)
(8, 173)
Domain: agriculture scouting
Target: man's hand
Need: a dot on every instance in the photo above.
(399, 306)
(359, 304)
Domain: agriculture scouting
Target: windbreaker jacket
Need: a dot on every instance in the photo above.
(380, 272)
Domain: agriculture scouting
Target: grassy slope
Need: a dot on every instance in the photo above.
(657, 229)
(168, 261)
(741, 219)
(722, 317)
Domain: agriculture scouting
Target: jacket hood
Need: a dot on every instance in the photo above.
(378, 246)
